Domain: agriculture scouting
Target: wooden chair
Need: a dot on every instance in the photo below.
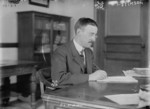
(44, 78)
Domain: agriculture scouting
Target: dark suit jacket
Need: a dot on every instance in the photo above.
(67, 66)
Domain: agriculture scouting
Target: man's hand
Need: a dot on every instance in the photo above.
(98, 75)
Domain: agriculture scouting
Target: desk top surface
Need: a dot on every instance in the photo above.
(93, 93)
(12, 63)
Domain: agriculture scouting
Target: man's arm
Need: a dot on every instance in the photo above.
(60, 72)
(94, 66)
(97, 73)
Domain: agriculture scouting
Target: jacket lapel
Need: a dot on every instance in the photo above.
(76, 56)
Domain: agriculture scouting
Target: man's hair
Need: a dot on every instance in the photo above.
(84, 22)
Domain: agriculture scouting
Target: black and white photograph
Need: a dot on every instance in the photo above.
(74, 54)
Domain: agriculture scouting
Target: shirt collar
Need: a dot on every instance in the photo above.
(78, 47)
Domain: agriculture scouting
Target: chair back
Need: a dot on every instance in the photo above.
(44, 78)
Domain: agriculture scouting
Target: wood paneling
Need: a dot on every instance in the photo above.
(122, 53)
(123, 48)
(123, 56)
(123, 39)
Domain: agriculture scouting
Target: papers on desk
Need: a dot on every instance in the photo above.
(140, 99)
(119, 79)
(124, 99)
(132, 73)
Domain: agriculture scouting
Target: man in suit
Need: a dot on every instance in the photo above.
(68, 67)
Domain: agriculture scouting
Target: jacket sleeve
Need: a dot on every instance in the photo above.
(94, 66)
(59, 70)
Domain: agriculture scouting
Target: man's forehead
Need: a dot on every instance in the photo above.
(89, 25)
(91, 28)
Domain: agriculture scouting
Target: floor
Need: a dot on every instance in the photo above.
(17, 103)
(22, 105)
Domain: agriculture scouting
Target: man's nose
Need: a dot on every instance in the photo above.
(93, 38)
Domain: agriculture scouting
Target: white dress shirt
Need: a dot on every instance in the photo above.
(79, 48)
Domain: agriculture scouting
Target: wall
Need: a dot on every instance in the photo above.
(8, 19)
(123, 20)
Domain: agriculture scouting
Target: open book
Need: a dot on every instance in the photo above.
(119, 79)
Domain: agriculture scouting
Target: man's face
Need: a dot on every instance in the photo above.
(88, 35)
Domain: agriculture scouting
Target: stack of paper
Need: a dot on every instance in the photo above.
(119, 79)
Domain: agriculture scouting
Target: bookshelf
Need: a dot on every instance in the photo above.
(39, 34)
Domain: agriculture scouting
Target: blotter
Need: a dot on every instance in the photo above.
(119, 79)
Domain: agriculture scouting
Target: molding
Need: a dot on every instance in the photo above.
(8, 45)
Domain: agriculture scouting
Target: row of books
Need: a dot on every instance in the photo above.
(47, 25)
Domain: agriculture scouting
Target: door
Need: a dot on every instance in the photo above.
(123, 32)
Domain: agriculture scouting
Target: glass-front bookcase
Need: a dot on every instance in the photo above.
(39, 34)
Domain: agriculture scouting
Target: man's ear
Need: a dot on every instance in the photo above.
(78, 31)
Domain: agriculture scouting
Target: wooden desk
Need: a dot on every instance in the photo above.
(15, 68)
(88, 95)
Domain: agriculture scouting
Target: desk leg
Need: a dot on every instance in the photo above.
(33, 91)
(5, 91)
(49, 105)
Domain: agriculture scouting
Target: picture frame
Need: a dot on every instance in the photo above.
(44, 3)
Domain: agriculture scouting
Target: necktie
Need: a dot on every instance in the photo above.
(82, 56)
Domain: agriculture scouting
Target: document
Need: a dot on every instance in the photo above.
(140, 99)
(132, 73)
(124, 99)
(119, 79)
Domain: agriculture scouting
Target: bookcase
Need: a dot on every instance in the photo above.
(39, 34)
